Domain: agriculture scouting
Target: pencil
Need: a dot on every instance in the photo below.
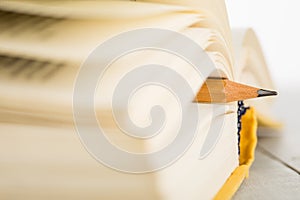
(220, 90)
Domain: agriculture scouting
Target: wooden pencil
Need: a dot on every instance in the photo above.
(220, 90)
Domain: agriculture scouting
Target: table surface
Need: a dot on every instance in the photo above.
(275, 173)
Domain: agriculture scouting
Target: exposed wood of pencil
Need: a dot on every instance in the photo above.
(216, 90)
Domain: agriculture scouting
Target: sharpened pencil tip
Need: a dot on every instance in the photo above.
(263, 93)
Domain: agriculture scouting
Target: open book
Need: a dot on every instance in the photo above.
(43, 49)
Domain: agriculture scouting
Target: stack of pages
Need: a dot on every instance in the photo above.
(43, 47)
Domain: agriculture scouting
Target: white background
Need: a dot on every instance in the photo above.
(277, 25)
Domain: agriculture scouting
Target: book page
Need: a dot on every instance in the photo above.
(100, 9)
(41, 53)
(252, 68)
(73, 40)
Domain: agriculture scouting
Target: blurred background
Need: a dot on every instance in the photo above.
(276, 24)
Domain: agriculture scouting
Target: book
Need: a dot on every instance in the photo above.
(43, 49)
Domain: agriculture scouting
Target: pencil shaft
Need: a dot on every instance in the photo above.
(223, 90)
